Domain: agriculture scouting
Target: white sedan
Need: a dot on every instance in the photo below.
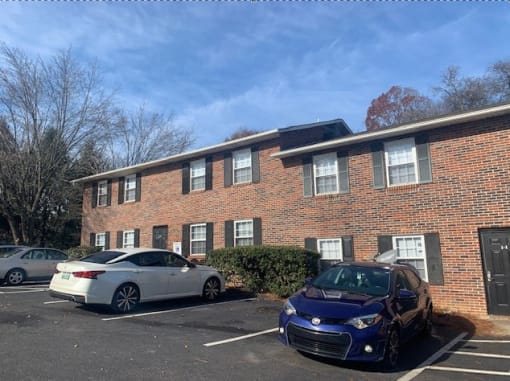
(122, 278)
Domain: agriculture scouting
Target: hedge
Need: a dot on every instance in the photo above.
(280, 270)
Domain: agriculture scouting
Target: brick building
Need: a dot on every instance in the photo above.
(436, 190)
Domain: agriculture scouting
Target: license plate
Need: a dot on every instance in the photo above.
(66, 275)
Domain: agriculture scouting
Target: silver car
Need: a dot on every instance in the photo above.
(19, 265)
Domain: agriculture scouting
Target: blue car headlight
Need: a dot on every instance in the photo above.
(362, 322)
(288, 308)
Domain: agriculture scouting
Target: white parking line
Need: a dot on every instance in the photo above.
(464, 370)
(490, 355)
(175, 310)
(240, 337)
(57, 301)
(24, 291)
(425, 365)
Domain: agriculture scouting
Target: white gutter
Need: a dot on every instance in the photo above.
(182, 156)
(399, 130)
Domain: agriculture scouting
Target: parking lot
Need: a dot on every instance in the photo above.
(235, 338)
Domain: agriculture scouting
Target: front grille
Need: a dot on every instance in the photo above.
(324, 320)
(327, 344)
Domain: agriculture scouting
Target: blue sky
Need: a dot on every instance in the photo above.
(219, 66)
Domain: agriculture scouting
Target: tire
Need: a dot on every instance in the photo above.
(15, 277)
(211, 289)
(392, 351)
(126, 298)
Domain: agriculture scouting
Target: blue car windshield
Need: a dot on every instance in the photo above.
(372, 281)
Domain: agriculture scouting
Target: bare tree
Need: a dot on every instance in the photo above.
(144, 136)
(499, 75)
(49, 109)
(241, 132)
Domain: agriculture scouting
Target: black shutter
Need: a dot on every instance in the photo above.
(107, 240)
(255, 166)
(257, 231)
(138, 190)
(307, 177)
(423, 155)
(185, 244)
(136, 242)
(185, 178)
(347, 248)
(384, 243)
(109, 193)
(94, 195)
(121, 190)
(378, 165)
(434, 259)
(209, 240)
(120, 239)
(229, 233)
(343, 172)
(311, 244)
(227, 165)
(92, 239)
(208, 173)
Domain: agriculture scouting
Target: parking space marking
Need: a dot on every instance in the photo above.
(57, 301)
(174, 310)
(27, 290)
(490, 355)
(231, 340)
(426, 364)
(473, 371)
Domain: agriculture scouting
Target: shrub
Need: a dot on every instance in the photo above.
(81, 251)
(278, 269)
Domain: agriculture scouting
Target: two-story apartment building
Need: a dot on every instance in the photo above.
(435, 190)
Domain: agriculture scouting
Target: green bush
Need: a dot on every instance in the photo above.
(280, 270)
(81, 251)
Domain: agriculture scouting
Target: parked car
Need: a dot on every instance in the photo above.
(29, 263)
(123, 278)
(359, 311)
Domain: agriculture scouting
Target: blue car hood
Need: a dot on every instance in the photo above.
(336, 304)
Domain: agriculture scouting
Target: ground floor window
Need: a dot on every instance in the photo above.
(243, 233)
(411, 250)
(101, 240)
(198, 234)
(330, 249)
(129, 239)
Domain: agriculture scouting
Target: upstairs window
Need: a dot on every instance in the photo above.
(197, 174)
(242, 166)
(325, 174)
(401, 164)
(130, 190)
(102, 193)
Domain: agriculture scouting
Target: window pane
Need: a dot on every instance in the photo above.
(198, 239)
(242, 166)
(411, 250)
(102, 193)
(130, 188)
(100, 240)
(197, 169)
(325, 172)
(326, 184)
(244, 233)
(242, 175)
(129, 239)
(401, 162)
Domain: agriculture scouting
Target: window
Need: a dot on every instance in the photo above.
(243, 233)
(130, 188)
(100, 240)
(197, 175)
(129, 239)
(325, 173)
(330, 249)
(411, 250)
(401, 162)
(102, 193)
(198, 234)
(242, 166)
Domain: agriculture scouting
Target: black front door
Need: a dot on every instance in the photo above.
(496, 260)
(160, 237)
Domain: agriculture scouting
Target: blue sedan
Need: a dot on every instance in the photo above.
(358, 311)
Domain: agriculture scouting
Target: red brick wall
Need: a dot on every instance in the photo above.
(470, 190)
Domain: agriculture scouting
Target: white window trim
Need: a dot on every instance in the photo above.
(315, 159)
(100, 186)
(192, 177)
(97, 243)
(319, 241)
(127, 189)
(196, 240)
(124, 238)
(424, 258)
(247, 166)
(236, 236)
(387, 146)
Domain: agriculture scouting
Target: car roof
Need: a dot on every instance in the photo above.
(380, 265)
(136, 250)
